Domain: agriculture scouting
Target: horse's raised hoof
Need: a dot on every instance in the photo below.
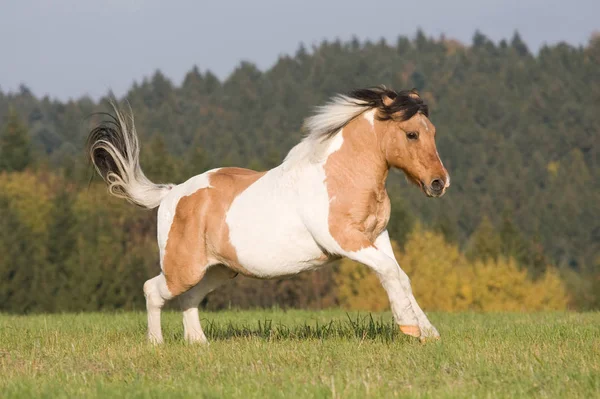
(429, 334)
(413, 331)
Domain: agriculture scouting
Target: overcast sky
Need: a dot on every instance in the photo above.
(69, 48)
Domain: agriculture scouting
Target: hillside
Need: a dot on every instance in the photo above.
(518, 132)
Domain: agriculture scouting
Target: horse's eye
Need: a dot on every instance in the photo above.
(412, 135)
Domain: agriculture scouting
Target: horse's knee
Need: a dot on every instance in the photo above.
(390, 271)
(149, 288)
(156, 291)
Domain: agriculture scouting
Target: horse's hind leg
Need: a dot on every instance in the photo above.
(156, 293)
(190, 300)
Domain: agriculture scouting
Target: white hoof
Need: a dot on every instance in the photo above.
(154, 340)
(195, 338)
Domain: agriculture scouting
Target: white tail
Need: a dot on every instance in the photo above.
(114, 150)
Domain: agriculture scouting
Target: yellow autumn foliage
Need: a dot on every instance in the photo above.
(29, 194)
(443, 279)
(502, 286)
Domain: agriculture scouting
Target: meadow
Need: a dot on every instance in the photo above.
(295, 353)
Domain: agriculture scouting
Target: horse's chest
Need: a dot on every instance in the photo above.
(357, 217)
(376, 214)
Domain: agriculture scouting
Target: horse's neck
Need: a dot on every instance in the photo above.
(357, 169)
(351, 159)
(365, 179)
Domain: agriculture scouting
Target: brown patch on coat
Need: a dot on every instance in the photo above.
(355, 174)
(199, 235)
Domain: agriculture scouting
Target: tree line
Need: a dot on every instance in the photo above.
(517, 131)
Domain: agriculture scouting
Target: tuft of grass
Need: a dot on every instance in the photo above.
(357, 326)
(275, 353)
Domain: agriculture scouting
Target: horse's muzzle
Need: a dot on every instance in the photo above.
(436, 188)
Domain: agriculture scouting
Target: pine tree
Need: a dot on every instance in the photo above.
(401, 221)
(447, 227)
(513, 242)
(519, 45)
(15, 145)
(60, 246)
(158, 165)
(18, 262)
(484, 243)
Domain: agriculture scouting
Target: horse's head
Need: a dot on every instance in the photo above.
(408, 141)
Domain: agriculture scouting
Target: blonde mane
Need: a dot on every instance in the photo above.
(330, 118)
(323, 125)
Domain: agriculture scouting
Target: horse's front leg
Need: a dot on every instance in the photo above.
(427, 330)
(380, 258)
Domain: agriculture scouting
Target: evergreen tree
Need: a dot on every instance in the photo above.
(19, 263)
(401, 221)
(513, 242)
(485, 243)
(447, 227)
(15, 144)
(519, 45)
(157, 163)
(61, 244)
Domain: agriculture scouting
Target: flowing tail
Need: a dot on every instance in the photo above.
(114, 150)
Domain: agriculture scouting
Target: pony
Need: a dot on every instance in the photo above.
(326, 200)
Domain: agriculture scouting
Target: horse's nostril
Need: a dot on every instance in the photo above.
(437, 185)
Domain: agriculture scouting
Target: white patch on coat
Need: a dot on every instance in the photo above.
(279, 224)
(312, 151)
(370, 116)
(335, 143)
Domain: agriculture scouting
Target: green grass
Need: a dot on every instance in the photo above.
(297, 354)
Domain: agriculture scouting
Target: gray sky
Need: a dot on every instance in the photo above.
(68, 48)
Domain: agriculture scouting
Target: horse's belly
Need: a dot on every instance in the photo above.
(269, 245)
(268, 235)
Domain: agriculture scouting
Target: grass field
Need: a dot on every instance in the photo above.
(297, 354)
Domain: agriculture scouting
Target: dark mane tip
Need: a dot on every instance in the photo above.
(404, 105)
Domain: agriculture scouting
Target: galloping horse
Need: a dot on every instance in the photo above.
(326, 200)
